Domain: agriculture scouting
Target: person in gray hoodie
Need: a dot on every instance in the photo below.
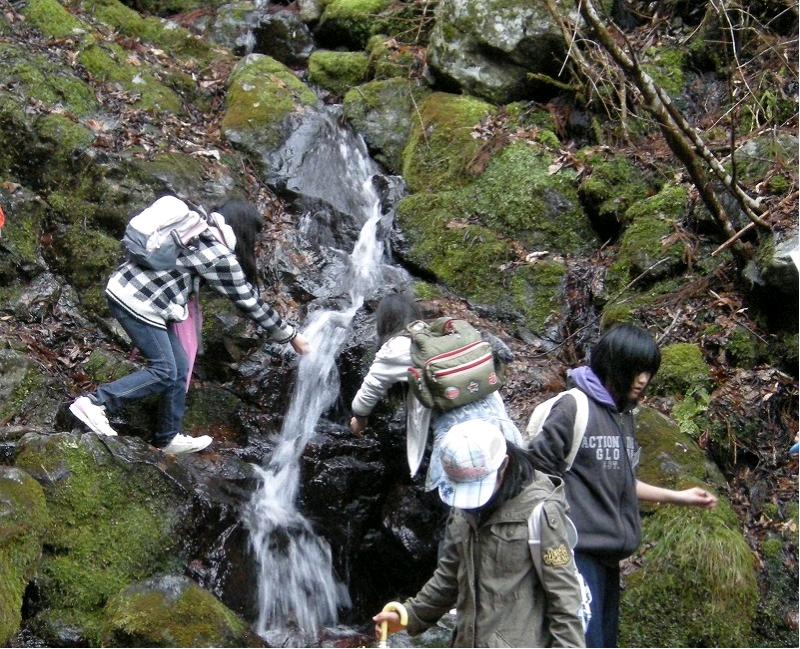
(602, 489)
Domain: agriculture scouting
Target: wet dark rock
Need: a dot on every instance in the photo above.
(284, 36)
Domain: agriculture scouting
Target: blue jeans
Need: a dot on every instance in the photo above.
(165, 374)
(602, 577)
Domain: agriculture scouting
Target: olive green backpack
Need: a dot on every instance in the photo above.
(453, 365)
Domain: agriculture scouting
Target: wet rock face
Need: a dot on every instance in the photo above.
(488, 47)
(122, 511)
(283, 35)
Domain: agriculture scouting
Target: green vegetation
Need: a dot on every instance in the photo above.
(23, 520)
(683, 370)
(110, 525)
(262, 93)
(351, 21)
(52, 19)
(337, 71)
(170, 612)
(441, 145)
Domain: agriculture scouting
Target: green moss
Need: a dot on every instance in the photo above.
(109, 63)
(611, 186)
(262, 92)
(665, 66)
(44, 81)
(518, 196)
(426, 291)
(67, 137)
(779, 599)
(441, 146)
(110, 525)
(102, 367)
(171, 612)
(616, 313)
(683, 369)
(351, 21)
(87, 257)
(388, 59)
(52, 19)
(211, 410)
(337, 71)
(31, 383)
(690, 413)
(744, 348)
(535, 291)
(647, 240)
(697, 583)
(173, 39)
(21, 236)
(23, 520)
(463, 256)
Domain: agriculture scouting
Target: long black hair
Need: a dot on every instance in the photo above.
(246, 223)
(620, 355)
(394, 312)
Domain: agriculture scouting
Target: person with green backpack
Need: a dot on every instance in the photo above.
(411, 352)
(586, 436)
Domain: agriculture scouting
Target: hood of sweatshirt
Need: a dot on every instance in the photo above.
(585, 378)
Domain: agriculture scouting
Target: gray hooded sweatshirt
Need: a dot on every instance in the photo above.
(601, 485)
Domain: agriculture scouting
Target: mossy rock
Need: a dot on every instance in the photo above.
(389, 59)
(214, 411)
(19, 248)
(262, 94)
(383, 112)
(86, 257)
(745, 349)
(53, 20)
(40, 79)
(172, 7)
(104, 367)
(696, 586)
(648, 240)
(670, 458)
(441, 145)
(536, 290)
(227, 337)
(27, 394)
(114, 515)
(23, 520)
(337, 71)
(109, 63)
(170, 611)
(169, 37)
(683, 370)
(779, 587)
(665, 65)
(350, 22)
(611, 186)
(518, 196)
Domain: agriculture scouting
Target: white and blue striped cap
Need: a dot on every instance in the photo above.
(472, 452)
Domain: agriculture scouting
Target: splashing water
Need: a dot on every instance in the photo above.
(296, 581)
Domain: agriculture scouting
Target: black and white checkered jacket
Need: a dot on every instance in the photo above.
(157, 297)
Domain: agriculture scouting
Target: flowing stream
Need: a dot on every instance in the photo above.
(297, 585)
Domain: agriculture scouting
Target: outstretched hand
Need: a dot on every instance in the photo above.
(300, 345)
(357, 425)
(696, 497)
(393, 620)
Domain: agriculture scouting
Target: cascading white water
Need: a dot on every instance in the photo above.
(297, 585)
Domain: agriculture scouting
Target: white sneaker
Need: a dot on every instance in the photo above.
(185, 444)
(92, 415)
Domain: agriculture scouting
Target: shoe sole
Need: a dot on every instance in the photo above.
(83, 417)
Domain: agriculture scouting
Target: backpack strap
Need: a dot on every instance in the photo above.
(535, 539)
(579, 426)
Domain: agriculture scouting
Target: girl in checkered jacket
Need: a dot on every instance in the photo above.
(158, 309)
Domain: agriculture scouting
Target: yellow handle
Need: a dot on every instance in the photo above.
(392, 607)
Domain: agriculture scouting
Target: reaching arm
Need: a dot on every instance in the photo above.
(693, 497)
(390, 366)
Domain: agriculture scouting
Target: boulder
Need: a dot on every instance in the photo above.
(23, 520)
(284, 36)
(693, 581)
(170, 611)
(383, 113)
(488, 48)
(349, 22)
(337, 71)
(263, 95)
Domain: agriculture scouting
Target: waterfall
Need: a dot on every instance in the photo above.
(295, 574)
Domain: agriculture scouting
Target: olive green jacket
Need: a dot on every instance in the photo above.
(486, 572)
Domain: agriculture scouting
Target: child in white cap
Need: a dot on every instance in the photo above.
(486, 571)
